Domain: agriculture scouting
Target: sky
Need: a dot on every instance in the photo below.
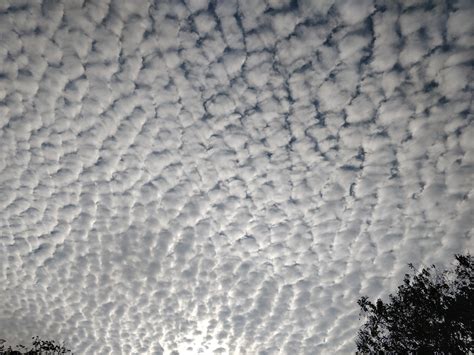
(227, 177)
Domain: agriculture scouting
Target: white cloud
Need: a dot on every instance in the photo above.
(355, 11)
(226, 177)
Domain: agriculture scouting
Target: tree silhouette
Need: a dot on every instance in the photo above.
(432, 312)
(38, 347)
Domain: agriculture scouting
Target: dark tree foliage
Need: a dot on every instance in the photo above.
(38, 347)
(432, 312)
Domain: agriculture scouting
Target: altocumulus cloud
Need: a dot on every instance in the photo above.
(226, 176)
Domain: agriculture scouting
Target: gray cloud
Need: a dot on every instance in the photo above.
(226, 177)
